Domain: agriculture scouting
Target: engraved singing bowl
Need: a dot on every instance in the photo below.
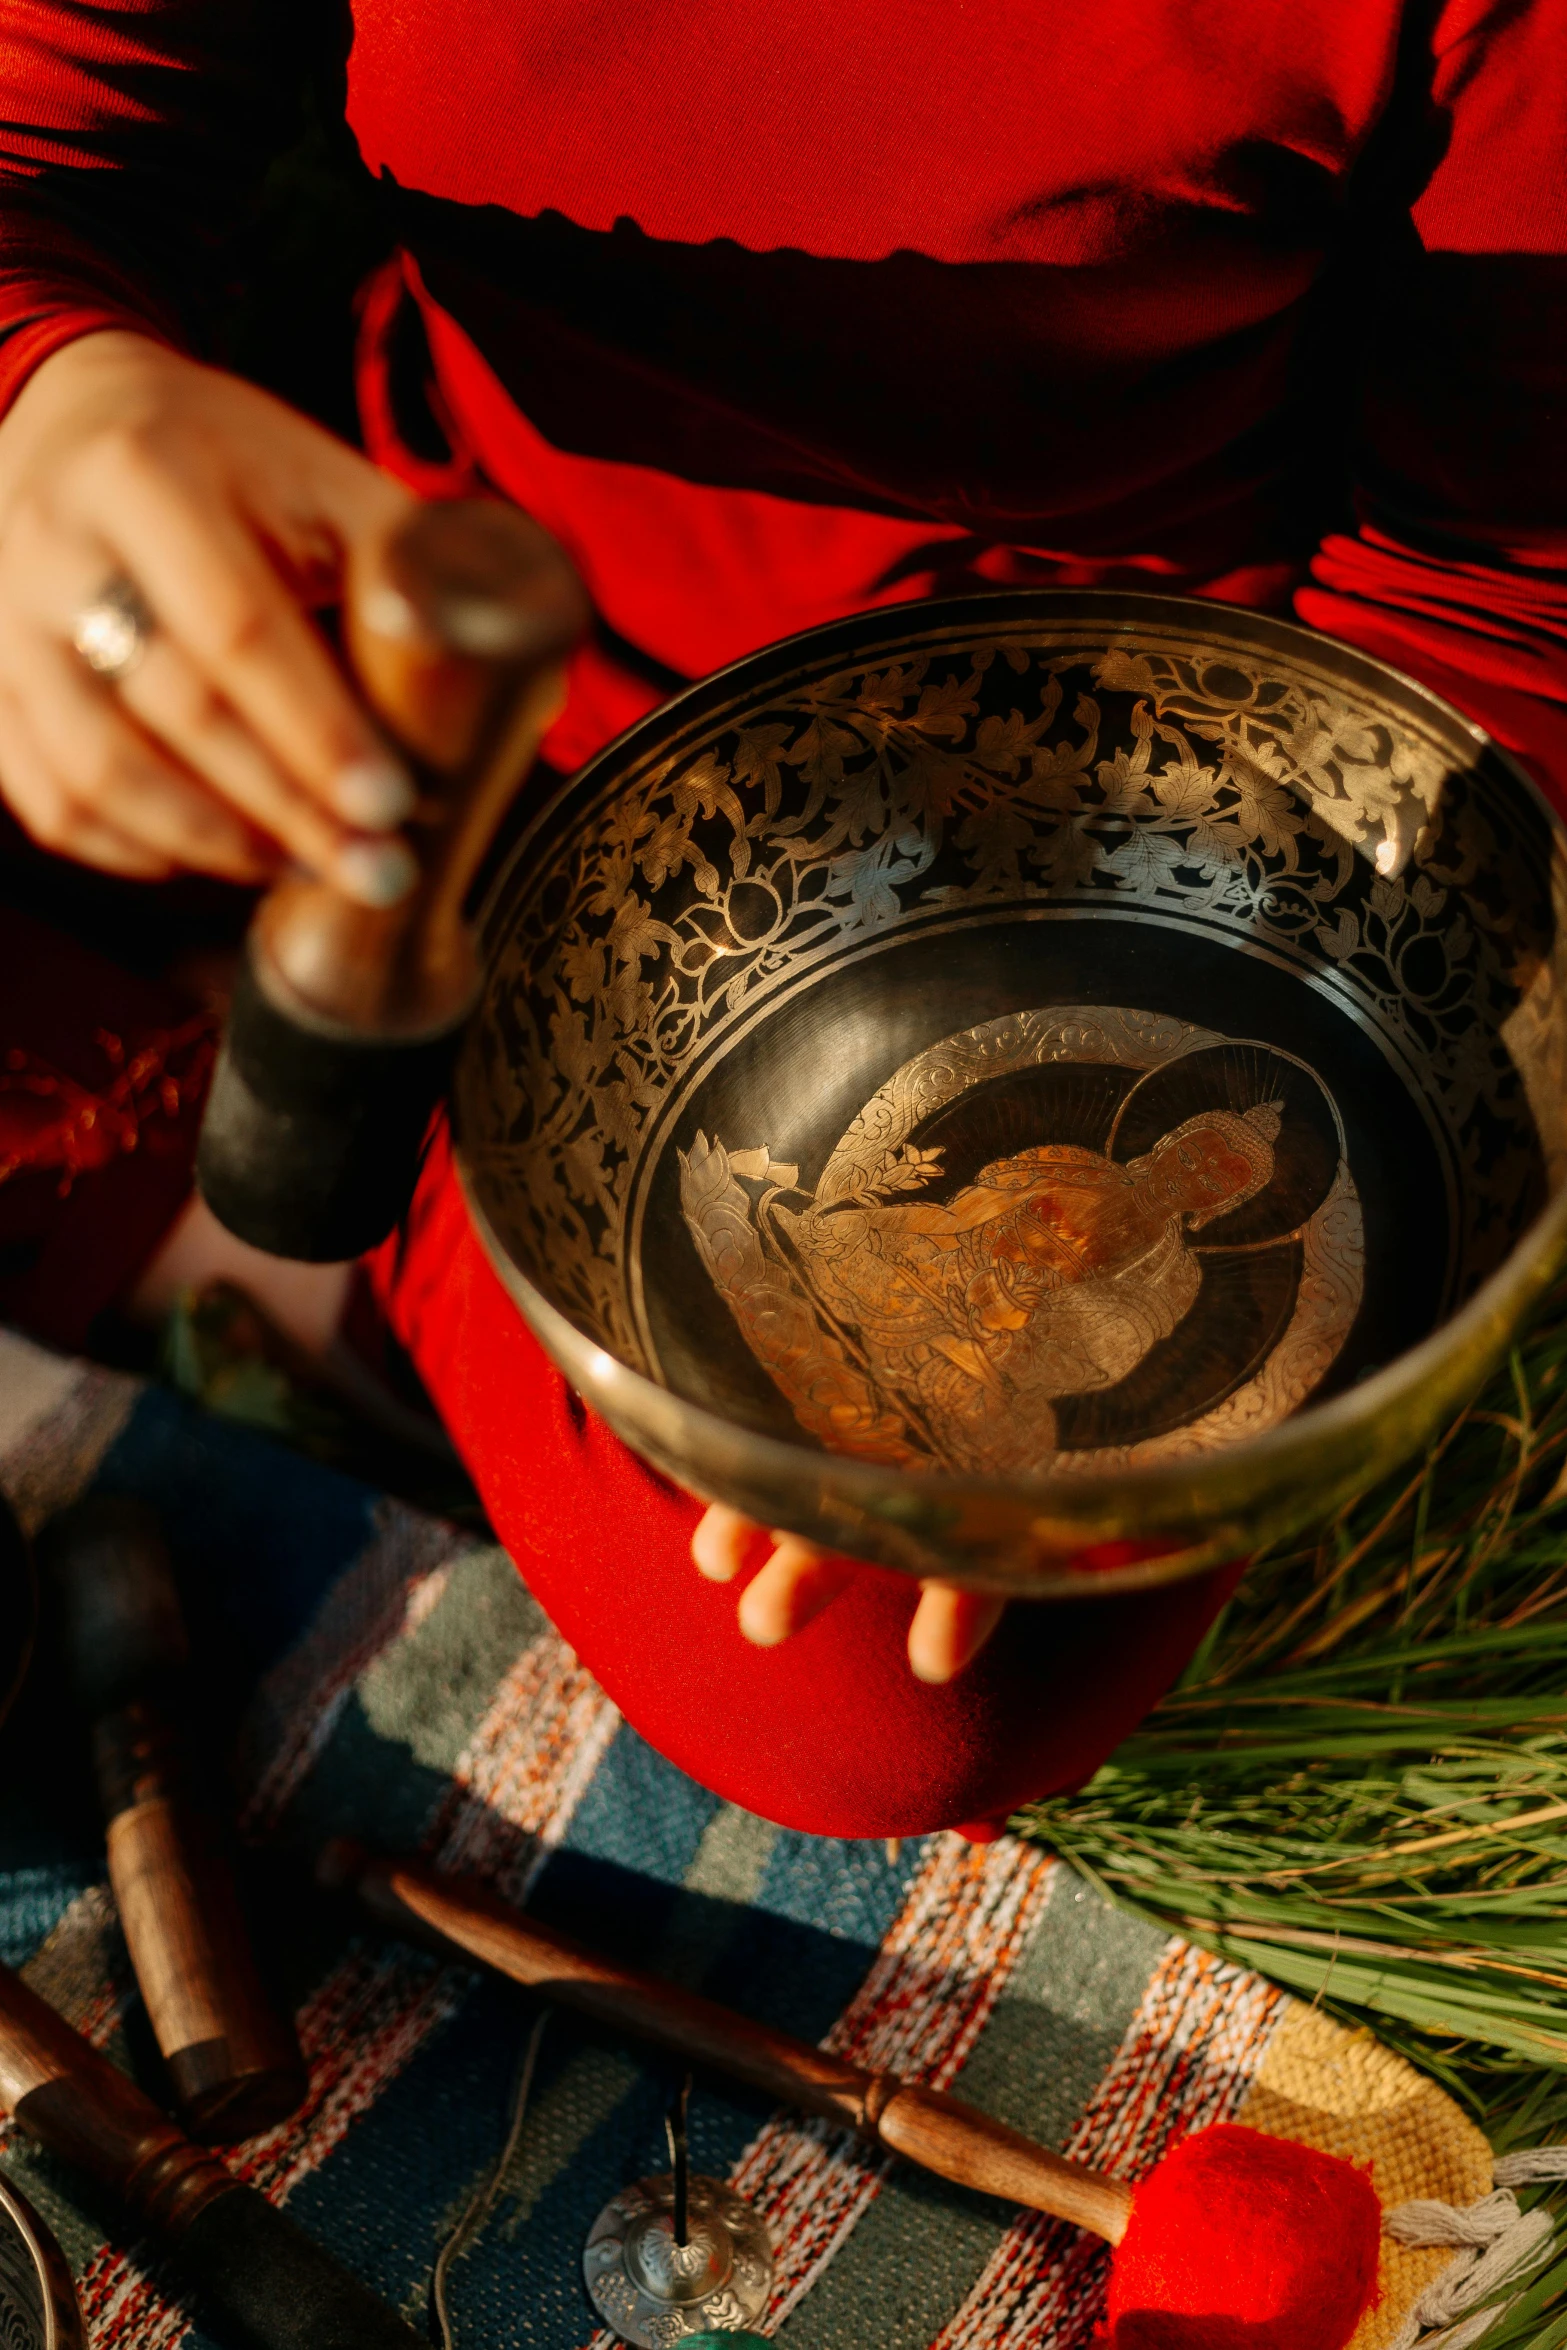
(1053, 1089)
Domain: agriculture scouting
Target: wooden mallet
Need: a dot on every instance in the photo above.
(346, 1018)
(234, 2064)
(1235, 2241)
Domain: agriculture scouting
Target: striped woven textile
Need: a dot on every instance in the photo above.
(394, 1679)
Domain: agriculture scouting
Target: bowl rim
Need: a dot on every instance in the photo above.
(1478, 1331)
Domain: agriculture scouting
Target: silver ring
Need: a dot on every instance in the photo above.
(111, 632)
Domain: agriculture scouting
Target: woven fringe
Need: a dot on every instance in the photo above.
(1497, 2244)
(1527, 2170)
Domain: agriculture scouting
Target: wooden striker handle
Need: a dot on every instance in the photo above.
(233, 2062)
(928, 2127)
(269, 2285)
(457, 626)
(74, 2101)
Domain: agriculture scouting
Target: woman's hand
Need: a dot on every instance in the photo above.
(796, 1581)
(233, 744)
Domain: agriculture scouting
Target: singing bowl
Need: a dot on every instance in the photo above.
(1052, 1089)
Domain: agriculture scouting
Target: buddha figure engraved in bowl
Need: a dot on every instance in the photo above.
(934, 1322)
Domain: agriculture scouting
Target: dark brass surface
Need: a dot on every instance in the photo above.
(1034, 1074)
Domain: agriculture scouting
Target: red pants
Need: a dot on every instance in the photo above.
(830, 1732)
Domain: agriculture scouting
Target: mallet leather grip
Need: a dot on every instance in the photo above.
(269, 2287)
(928, 2127)
(310, 1142)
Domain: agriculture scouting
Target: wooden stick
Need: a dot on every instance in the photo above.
(459, 1917)
(233, 2062)
(269, 2285)
(458, 627)
(346, 1018)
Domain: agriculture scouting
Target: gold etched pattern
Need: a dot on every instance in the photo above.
(940, 1335)
(1190, 776)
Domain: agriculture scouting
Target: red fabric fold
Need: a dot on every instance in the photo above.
(829, 1733)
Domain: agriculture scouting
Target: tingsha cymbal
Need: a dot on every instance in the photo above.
(653, 2289)
(38, 2305)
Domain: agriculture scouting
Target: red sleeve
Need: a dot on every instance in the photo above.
(132, 134)
(1458, 569)
(102, 1078)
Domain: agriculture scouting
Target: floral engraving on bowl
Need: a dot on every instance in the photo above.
(1248, 795)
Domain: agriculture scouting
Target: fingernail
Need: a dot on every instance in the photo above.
(375, 872)
(926, 1669)
(376, 794)
(759, 1620)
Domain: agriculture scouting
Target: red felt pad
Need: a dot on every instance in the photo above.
(1240, 2241)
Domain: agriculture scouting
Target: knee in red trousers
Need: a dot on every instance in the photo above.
(829, 1733)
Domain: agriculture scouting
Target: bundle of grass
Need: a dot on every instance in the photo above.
(1360, 1786)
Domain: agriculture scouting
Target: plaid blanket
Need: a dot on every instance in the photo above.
(371, 1671)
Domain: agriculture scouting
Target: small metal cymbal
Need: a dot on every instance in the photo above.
(654, 2291)
(38, 2305)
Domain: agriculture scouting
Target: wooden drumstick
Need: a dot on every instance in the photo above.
(268, 2285)
(346, 1017)
(1233, 2236)
(926, 2126)
(233, 2062)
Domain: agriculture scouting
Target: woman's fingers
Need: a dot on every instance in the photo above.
(797, 1581)
(791, 1590)
(723, 1542)
(949, 1629)
(793, 1585)
(175, 702)
(229, 513)
(105, 771)
(208, 579)
(53, 818)
(224, 804)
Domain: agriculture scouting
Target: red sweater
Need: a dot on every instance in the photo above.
(773, 309)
